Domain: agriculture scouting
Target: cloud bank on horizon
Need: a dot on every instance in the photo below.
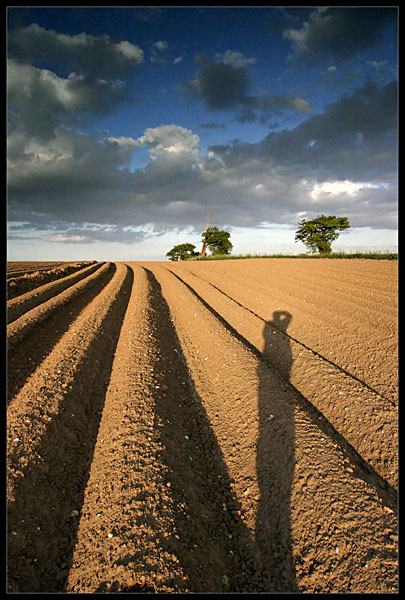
(123, 129)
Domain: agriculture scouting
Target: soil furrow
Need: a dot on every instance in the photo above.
(17, 266)
(300, 343)
(367, 350)
(24, 357)
(357, 306)
(357, 413)
(223, 427)
(20, 329)
(52, 427)
(159, 504)
(321, 274)
(299, 496)
(33, 277)
(18, 306)
(29, 268)
(341, 288)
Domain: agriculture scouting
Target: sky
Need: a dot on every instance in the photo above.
(128, 125)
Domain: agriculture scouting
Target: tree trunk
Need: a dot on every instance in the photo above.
(204, 246)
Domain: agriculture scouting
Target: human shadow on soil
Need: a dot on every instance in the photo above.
(275, 457)
(216, 549)
(333, 364)
(277, 354)
(271, 546)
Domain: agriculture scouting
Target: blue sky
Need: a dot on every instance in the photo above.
(127, 125)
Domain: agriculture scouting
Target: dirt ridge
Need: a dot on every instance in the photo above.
(52, 423)
(36, 274)
(25, 302)
(360, 401)
(274, 284)
(25, 356)
(21, 327)
(295, 427)
(182, 431)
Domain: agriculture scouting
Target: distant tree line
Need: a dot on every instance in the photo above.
(216, 240)
(317, 235)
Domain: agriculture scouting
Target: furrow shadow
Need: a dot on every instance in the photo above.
(362, 468)
(17, 307)
(48, 498)
(287, 335)
(27, 354)
(215, 548)
(23, 285)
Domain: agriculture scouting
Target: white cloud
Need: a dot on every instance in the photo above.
(170, 139)
(338, 188)
(330, 71)
(130, 51)
(125, 143)
(161, 45)
(66, 239)
(156, 52)
(377, 64)
(236, 59)
(299, 104)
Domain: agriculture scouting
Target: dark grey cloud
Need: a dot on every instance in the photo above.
(222, 86)
(225, 85)
(42, 99)
(354, 139)
(74, 187)
(83, 53)
(339, 33)
(86, 83)
(212, 125)
(270, 105)
(281, 18)
(364, 120)
(75, 174)
(63, 182)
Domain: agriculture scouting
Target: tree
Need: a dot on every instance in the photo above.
(217, 240)
(182, 252)
(204, 246)
(319, 233)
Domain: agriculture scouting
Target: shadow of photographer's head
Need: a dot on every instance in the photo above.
(281, 319)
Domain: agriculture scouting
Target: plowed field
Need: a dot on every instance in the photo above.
(23, 277)
(225, 426)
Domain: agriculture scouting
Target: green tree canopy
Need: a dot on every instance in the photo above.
(182, 252)
(319, 233)
(217, 240)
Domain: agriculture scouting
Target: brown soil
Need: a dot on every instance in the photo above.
(22, 267)
(225, 426)
(23, 277)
